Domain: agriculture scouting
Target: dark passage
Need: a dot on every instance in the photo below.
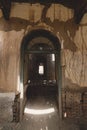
(41, 111)
(41, 88)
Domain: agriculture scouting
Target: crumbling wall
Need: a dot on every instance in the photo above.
(56, 18)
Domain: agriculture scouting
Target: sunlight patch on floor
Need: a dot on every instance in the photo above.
(39, 112)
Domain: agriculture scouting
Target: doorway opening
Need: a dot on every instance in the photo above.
(41, 69)
(41, 75)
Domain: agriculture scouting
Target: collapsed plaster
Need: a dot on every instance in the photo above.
(58, 19)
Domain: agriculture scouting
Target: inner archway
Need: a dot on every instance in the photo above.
(40, 65)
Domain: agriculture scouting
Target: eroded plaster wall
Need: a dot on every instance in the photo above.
(59, 20)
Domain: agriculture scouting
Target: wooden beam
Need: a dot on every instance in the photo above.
(79, 13)
(5, 7)
(79, 6)
(68, 3)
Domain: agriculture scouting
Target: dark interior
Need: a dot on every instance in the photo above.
(41, 67)
(41, 83)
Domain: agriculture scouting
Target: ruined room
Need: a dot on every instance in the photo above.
(43, 65)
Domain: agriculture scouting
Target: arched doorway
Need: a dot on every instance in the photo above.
(39, 48)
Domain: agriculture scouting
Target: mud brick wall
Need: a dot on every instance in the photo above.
(16, 108)
(84, 104)
(74, 104)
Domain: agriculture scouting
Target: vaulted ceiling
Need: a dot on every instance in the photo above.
(79, 6)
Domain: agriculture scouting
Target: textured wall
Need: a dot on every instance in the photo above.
(59, 20)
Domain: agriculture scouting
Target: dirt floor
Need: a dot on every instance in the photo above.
(6, 102)
(35, 121)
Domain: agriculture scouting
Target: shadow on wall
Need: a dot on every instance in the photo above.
(13, 24)
(66, 30)
(70, 85)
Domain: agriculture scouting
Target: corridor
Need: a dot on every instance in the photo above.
(35, 121)
(41, 113)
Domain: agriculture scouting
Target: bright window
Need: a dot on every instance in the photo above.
(53, 57)
(41, 69)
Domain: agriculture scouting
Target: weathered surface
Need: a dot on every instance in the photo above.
(42, 122)
(79, 7)
(59, 20)
(9, 57)
(6, 102)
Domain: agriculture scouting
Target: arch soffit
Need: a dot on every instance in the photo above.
(47, 32)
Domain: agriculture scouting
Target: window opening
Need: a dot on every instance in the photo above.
(41, 69)
(53, 57)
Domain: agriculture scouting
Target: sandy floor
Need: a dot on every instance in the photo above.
(31, 121)
(6, 101)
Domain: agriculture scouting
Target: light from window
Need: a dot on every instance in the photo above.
(53, 57)
(39, 112)
(41, 69)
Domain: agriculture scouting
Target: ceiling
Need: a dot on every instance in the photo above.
(79, 6)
